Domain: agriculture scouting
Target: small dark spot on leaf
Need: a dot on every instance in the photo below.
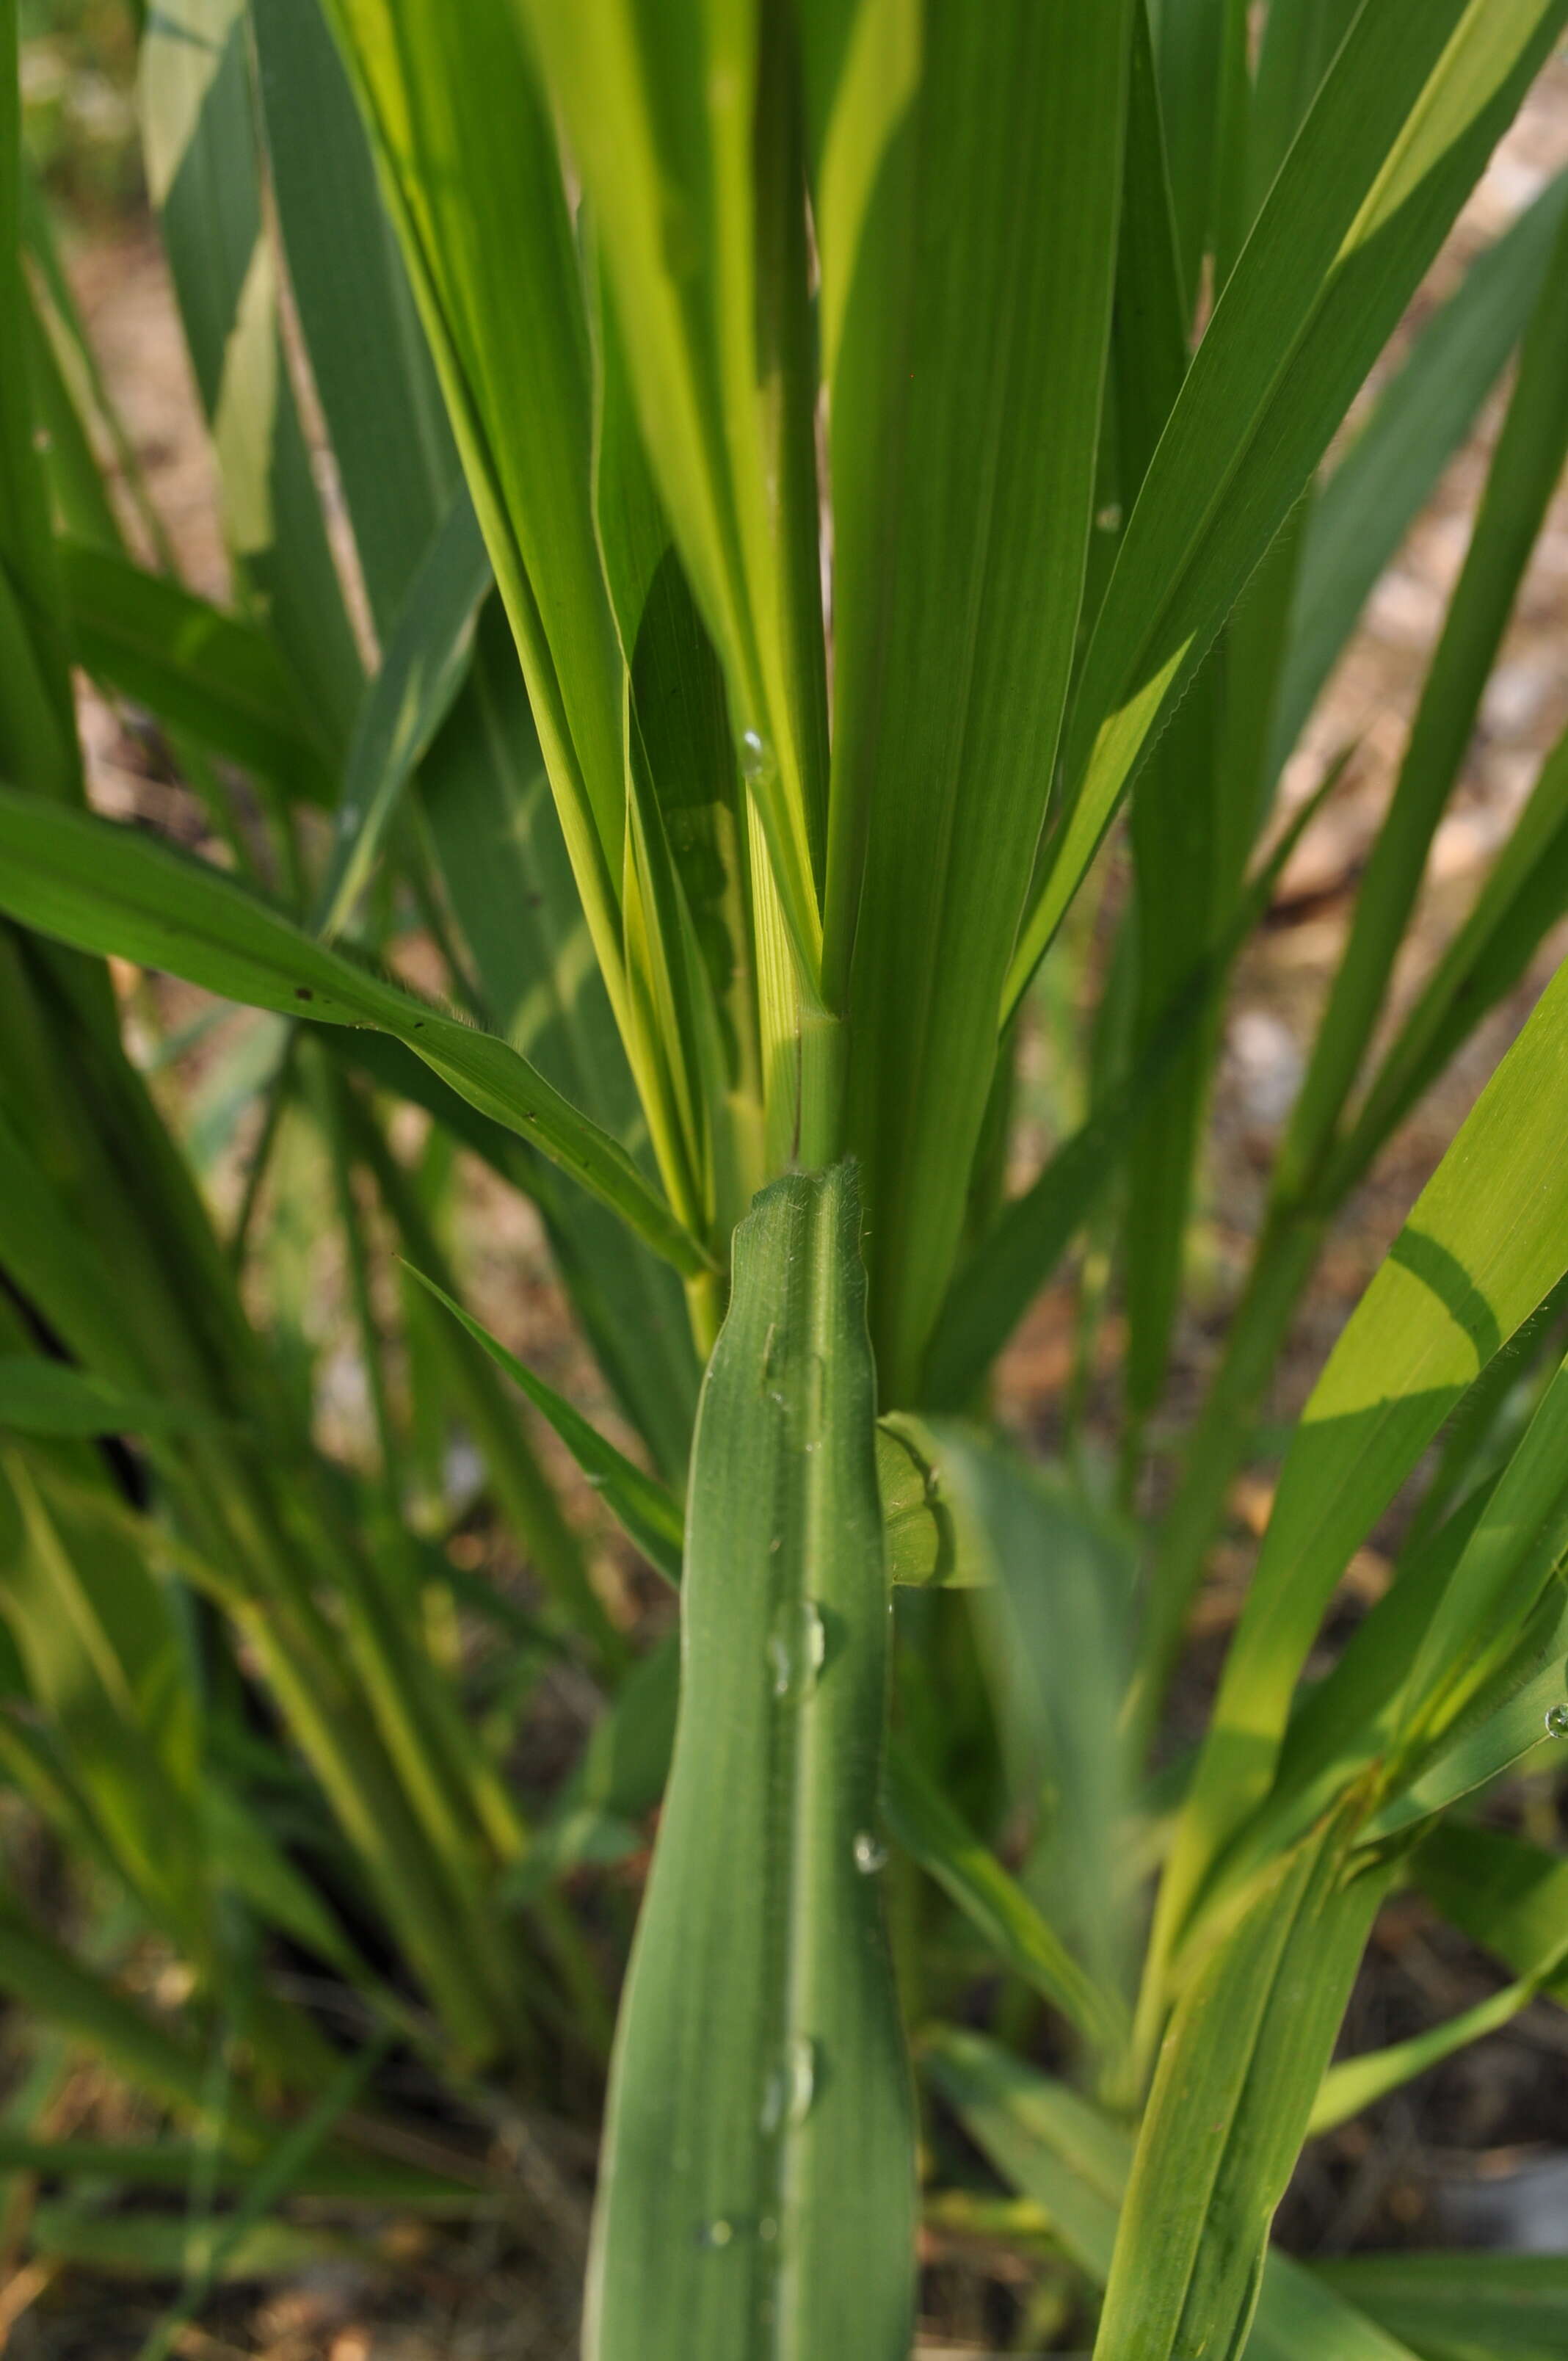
(303, 992)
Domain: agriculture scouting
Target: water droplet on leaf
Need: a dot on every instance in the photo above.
(870, 1853)
(790, 2089)
(756, 758)
(1557, 1721)
(716, 2233)
(801, 2077)
(796, 1646)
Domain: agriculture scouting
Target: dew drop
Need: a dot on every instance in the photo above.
(1557, 1721)
(796, 1646)
(870, 1853)
(800, 2078)
(790, 2089)
(597, 1483)
(1109, 519)
(716, 2233)
(756, 758)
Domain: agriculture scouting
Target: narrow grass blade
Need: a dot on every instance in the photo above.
(482, 792)
(1051, 2144)
(1510, 1562)
(1178, 836)
(1189, 55)
(194, 667)
(1525, 891)
(79, 495)
(1462, 2307)
(682, 883)
(1506, 1894)
(757, 2190)
(485, 808)
(619, 1779)
(36, 718)
(143, 2246)
(651, 1514)
(106, 1670)
(1468, 1623)
(109, 889)
(170, 2165)
(1009, 1924)
(203, 170)
(959, 537)
(1525, 469)
(248, 1856)
(1374, 492)
(1512, 1725)
(51, 1398)
(1299, 38)
(1398, 135)
(99, 424)
(1344, 1728)
(521, 1485)
(679, 111)
(1355, 2085)
(1233, 2094)
(1487, 1239)
(272, 2179)
(1012, 1260)
(1044, 2137)
(1053, 1620)
(420, 674)
(482, 217)
(380, 397)
(1524, 894)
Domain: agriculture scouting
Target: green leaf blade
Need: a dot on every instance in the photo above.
(1399, 133)
(109, 889)
(960, 534)
(756, 2196)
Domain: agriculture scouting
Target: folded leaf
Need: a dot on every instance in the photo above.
(756, 2193)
